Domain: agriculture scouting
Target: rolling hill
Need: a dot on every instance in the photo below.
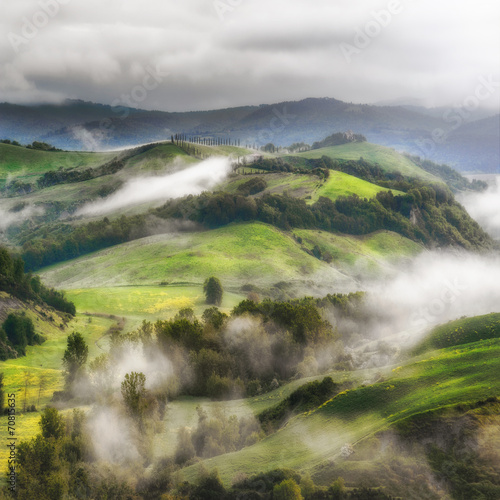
(76, 125)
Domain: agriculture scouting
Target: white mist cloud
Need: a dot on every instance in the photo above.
(191, 180)
(9, 218)
(435, 288)
(115, 443)
(485, 208)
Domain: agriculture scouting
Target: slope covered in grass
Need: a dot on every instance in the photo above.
(341, 184)
(450, 377)
(388, 159)
(237, 254)
(310, 187)
(23, 162)
(462, 331)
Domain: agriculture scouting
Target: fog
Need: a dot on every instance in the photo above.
(438, 286)
(191, 180)
(7, 218)
(485, 207)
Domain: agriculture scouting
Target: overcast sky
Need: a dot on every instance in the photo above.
(207, 54)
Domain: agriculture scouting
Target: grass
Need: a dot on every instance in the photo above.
(448, 377)
(146, 302)
(388, 159)
(40, 371)
(462, 331)
(237, 254)
(309, 186)
(340, 184)
(361, 255)
(25, 163)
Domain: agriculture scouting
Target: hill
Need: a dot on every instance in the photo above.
(240, 253)
(77, 125)
(388, 159)
(348, 435)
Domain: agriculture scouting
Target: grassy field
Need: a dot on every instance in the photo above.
(35, 377)
(309, 186)
(388, 159)
(445, 378)
(237, 254)
(462, 331)
(146, 302)
(340, 184)
(24, 163)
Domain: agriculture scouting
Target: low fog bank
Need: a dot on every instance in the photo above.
(8, 218)
(485, 207)
(435, 288)
(192, 180)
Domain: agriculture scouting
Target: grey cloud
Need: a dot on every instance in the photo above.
(259, 52)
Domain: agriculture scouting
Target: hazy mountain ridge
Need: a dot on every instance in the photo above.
(472, 146)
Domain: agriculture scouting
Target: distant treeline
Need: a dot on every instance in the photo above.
(25, 286)
(338, 139)
(62, 176)
(318, 168)
(454, 179)
(40, 146)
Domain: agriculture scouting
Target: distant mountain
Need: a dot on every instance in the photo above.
(78, 125)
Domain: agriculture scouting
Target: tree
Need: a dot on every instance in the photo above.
(213, 291)
(52, 423)
(2, 393)
(185, 450)
(75, 356)
(287, 490)
(134, 394)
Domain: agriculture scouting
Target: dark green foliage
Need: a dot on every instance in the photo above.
(214, 317)
(253, 186)
(20, 331)
(38, 470)
(61, 176)
(339, 138)
(305, 398)
(134, 394)
(210, 487)
(300, 317)
(26, 287)
(455, 180)
(75, 357)
(213, 291)
(51, 423)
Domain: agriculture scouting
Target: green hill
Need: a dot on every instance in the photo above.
(315, 438)
(26, 163)
(388, 159)
(238, 254)
(309, 187)
(462, 331)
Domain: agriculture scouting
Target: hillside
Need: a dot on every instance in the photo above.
(388, 159)
(359, 419)
(244, 253)
(76, 125)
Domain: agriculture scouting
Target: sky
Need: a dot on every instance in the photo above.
(206, 54)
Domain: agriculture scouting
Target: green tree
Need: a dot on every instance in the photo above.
(287, 490)
(213, 291)
(75, 356)
(134, 394)
(2, 393)
(52, 423)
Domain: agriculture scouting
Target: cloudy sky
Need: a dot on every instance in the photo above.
(205, 54)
